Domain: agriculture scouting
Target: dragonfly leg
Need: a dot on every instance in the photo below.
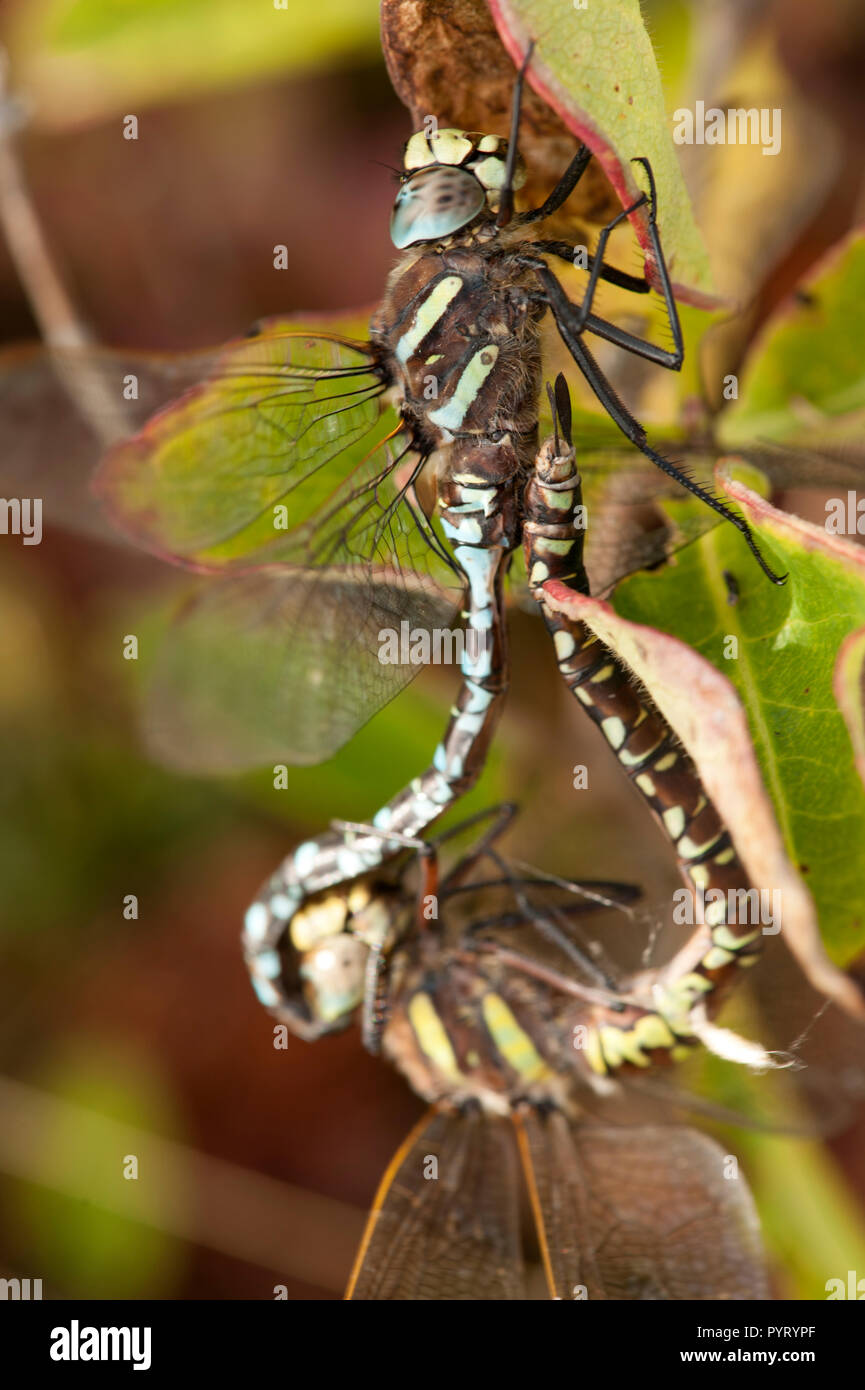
(472, 945)
(377, 975)
(566, 316)
(479, 520)
(581, 317)
(630, 341)
(375, 996)
(562, 191)
(506, 202)
(566, 250)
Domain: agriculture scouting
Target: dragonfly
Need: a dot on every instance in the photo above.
(271, 475)
(315, 477)
(636, 731)
(485, 987)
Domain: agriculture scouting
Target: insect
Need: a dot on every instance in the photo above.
(310, 467)
(483, 990)
(301, 470)
(273, 469)
(643, 742)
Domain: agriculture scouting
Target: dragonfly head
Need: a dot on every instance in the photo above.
(451, 177)
(332, 938)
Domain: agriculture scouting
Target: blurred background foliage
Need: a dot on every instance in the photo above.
(262, 125)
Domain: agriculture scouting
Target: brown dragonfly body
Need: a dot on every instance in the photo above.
(456, 343)
(295, 912)
(480, 1007)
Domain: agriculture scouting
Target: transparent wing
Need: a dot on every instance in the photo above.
(639, 1213)
(278, 665)
(277, 454)
(58, 413)
(275, 463)
(641, 520)
(445, 1221)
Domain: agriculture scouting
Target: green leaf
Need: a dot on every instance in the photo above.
(787, 643)
(596, 68)
(804, 376)
(92, 59)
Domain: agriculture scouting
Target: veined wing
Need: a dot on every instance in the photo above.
(60, 410)
(277, 449)
(445, 1221)
(280, 664)
(279, 456)
(274, 467)
(279, 468)
(639, 1213)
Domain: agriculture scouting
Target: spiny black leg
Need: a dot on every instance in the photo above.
(610, 332)
(544, 924)
(584, 315)
(598, 261)
(632, 429)
(582, 318)
(562, 191)
(637, 284)
(661, 260)
(506, 202)
(500, 817)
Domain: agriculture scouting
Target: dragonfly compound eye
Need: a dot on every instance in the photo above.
(434, 203)
(333, 977)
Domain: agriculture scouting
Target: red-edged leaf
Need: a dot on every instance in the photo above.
(704, 709)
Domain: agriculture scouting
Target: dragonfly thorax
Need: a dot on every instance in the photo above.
(451, 178)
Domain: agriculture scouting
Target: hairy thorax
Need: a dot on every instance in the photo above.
(458, 330)
(467, 1034)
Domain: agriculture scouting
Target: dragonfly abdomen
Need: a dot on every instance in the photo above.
(725, 939)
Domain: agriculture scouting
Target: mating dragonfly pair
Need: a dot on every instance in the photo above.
(266, 468)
